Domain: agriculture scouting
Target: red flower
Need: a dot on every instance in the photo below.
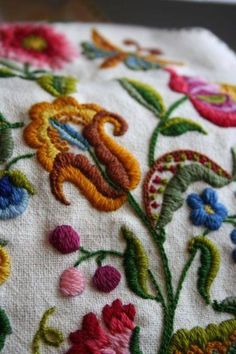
(214, 102)
(39, 45)
(114, 339)
(118, 318)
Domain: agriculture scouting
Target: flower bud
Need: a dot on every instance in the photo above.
(106, 278)
(65, 239)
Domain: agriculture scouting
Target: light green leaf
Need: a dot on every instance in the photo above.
(214, 99)
(20, 180)
(58, 85)
(135, 264)
(6, 143)
(233, 150)
(178, 126)
(145, 95)
(6, 73)
(210, 264)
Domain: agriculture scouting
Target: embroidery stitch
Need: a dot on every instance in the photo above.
(5, 329)
(65, 239)
(47, 335)
(139, 59)
(106, 278)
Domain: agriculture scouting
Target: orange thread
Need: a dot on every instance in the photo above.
(78, 170)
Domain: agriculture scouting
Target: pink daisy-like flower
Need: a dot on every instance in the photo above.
(36, 44)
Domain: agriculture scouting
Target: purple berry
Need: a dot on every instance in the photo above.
(106, 278)
(65, 239)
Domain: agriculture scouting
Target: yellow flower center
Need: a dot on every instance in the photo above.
(34, 42)
(209, 209)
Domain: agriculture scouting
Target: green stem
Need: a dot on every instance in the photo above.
(11, 126)
(157, 130)
(157, 288)
(16, 159)
(102, 253)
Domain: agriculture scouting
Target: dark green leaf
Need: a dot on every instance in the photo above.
(134, 345)
(233, 150)
(210, 264)
(58, 85)
(145, 95)
(135, 264)
(6, 144)
(178, 126)
(228, 305)
(6, 73)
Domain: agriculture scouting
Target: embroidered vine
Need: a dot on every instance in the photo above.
(105, 176)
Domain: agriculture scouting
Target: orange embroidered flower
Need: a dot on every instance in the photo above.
(115, 172)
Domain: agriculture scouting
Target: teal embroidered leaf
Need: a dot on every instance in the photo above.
(233, 150)
(178, 126)
(228, 305)
(186, 175)
(210, 264)
(58, 85)
(145, 95)
(5, 327)
(134, 345)
(135, 264)
(69, 134)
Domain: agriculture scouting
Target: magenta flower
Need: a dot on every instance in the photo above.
(214, 102)
(36, 44)
(65, 239)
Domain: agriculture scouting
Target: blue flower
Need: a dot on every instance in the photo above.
(206, 210)
(15, 190)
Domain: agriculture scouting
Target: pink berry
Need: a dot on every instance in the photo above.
(106, 278)
(65, 239)
(72, 282)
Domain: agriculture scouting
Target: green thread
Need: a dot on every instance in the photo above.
(233, 151)
(145, 95)
(178, 126)
(210, 264)
(47, 335)
(18, 158)
(136, 264)
(152, 145)
(174, 105)
(5, 328)
(228, 305)
(19, 180)
(185, 176)
(58, 85)
(183, 339)
(101, 254)
(134, 345)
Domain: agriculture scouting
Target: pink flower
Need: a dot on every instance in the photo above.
(214, 102)
(36, 44)
(113, 339)
(72, 282)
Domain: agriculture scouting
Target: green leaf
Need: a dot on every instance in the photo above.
(135, 264)
(144, 94)
(20, 180)
(178, 126)
(228, 305)
(185, 176)
(5, 327)
(134, 345)
(3, 242)
(6, 73)
(58, 85)
(6, 144)
(233, 150)
(210, 264)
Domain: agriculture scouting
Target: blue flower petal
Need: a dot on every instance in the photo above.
(221, 210)
(209, 196)
(15, 210)
(198, 216)
(194, 201)
(4, 202)
(5, 186)
(213, 221)
(17, 195)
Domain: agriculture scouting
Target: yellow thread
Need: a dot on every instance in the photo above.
(5, 265)
(209, 209)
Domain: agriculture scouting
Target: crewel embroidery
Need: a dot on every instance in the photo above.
(138, 59)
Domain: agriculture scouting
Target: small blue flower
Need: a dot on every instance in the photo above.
(206, 210)
(15, 191)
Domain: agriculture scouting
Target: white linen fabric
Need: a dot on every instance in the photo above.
(33, 285)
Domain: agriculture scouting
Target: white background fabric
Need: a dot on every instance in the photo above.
(36, 267)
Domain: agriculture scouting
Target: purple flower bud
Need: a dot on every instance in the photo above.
(106, 278)
(65, 239)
